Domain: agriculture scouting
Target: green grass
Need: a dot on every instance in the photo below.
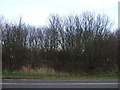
(6, 75)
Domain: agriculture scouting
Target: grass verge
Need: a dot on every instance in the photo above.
(10, 75)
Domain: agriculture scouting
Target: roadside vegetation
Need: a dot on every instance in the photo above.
(65, 76)
(84, 45)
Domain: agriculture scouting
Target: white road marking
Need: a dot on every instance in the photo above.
(59, 83)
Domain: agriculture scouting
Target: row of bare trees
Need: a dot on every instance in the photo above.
(76, 44)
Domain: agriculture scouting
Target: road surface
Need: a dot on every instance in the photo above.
(22, 83)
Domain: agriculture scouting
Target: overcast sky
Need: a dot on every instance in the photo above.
(36, 12)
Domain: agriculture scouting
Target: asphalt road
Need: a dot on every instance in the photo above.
(19, 83)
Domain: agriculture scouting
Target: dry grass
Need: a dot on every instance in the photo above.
(40, 70)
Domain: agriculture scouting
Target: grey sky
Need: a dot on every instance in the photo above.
(35, 12)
